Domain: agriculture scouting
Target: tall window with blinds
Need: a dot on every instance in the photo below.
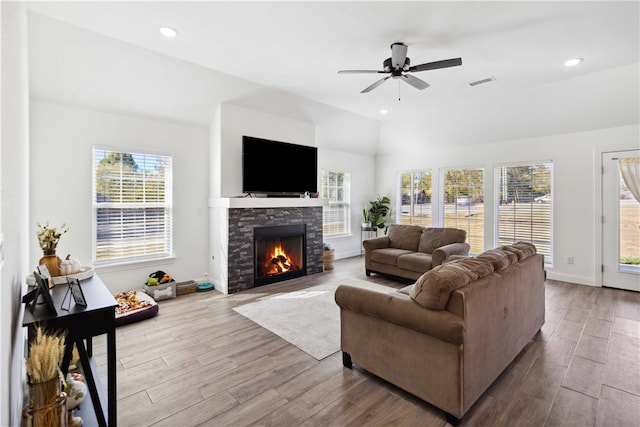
(463, 204)
(132, 201)
(336, 216)
(525, 205)
(415, 198)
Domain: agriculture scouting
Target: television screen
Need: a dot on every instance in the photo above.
(278, 168)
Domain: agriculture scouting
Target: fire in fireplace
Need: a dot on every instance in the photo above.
(279, 253)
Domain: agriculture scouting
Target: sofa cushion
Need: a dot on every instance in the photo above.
(433, 238)
(498, 258)
(527, 248)
(388, 255)
(479, 267)
(404, 236)
(433, 288)
(415, 261)
(513, 250)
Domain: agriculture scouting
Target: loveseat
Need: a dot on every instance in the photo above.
(447, 337)
(408, 251)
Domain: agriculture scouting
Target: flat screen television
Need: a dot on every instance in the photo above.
(278, 168)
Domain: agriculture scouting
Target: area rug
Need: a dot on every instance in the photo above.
(308, 319)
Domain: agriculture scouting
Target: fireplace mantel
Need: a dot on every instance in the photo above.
(264, 202)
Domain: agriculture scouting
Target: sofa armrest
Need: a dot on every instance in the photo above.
(401, 310)
(443, 253)
(376, 243)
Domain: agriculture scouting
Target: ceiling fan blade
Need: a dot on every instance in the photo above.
(398, 55)
(375, 85)
(453, 62)
(414, 81)
(360, 72)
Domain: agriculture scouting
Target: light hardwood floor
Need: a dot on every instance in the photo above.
(200, 362)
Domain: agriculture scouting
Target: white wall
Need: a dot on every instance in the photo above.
(576, 200)
(362, 170)
(14, 206)
(62, 139)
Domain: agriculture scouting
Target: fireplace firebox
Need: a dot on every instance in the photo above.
(279, 253)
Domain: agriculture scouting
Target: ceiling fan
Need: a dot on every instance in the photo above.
(399, 65)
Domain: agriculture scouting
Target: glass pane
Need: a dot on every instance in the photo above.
(415, 198)
(629, 223)
(463, 193)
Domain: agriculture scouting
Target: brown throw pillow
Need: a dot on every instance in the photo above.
(433, 289)
(498, 258)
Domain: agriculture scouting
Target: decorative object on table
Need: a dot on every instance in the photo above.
(48, 239)
(76, 391)
(69, 266)
(42, 289)
(160, 286)
(328, 255)
(134, 306)
(74, 291)
(47, 403)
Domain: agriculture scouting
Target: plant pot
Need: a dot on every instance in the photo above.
(52, 262)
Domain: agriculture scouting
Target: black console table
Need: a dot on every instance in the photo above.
(82, 324)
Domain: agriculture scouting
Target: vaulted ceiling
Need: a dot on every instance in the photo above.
(266, 50)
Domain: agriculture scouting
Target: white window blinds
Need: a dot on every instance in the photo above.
(525, 205)
(133, 206)
(336, 216)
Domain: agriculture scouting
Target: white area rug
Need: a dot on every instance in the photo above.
(308, 319)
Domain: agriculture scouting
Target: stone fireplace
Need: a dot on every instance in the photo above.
(236, 266)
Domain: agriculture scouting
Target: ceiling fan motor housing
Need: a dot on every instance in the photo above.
(395, 72)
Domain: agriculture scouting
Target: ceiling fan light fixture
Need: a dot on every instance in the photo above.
(168, 32)
(573, 62)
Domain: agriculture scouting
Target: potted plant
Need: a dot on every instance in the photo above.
(376, 215)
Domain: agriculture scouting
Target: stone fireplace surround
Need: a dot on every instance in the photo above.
(242, 215)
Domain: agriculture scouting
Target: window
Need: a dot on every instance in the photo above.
(463, 204)
(133, 206)
(415, 198)
(336, 189)
(525, 205)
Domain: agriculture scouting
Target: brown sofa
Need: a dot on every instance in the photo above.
(447, 337)
(409, 251)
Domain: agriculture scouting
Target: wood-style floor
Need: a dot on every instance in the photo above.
(200, 362)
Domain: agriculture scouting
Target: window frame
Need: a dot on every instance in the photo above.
(167, 205)
(346, 191)
(548, 259)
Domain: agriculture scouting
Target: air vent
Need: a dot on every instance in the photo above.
(483, 81)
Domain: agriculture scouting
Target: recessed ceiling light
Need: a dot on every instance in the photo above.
(573, 62)
(384, 111)
(168, 32)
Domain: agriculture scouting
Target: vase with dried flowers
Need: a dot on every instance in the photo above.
(48, 238)
(47, 404)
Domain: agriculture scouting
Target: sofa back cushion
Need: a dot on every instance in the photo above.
(404, 236)
(433, 289)
(497, 257)
(433, 238)
(527, 249)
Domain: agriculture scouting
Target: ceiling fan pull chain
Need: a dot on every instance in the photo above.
(398, 90)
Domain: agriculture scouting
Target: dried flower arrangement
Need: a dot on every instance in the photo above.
(45, 355)
(48, 237)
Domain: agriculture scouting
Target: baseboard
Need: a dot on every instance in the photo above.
(347, 254)
(580, 280)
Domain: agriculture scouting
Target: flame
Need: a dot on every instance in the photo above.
(279, 262)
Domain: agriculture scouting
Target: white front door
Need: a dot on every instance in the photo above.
(620, 226)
